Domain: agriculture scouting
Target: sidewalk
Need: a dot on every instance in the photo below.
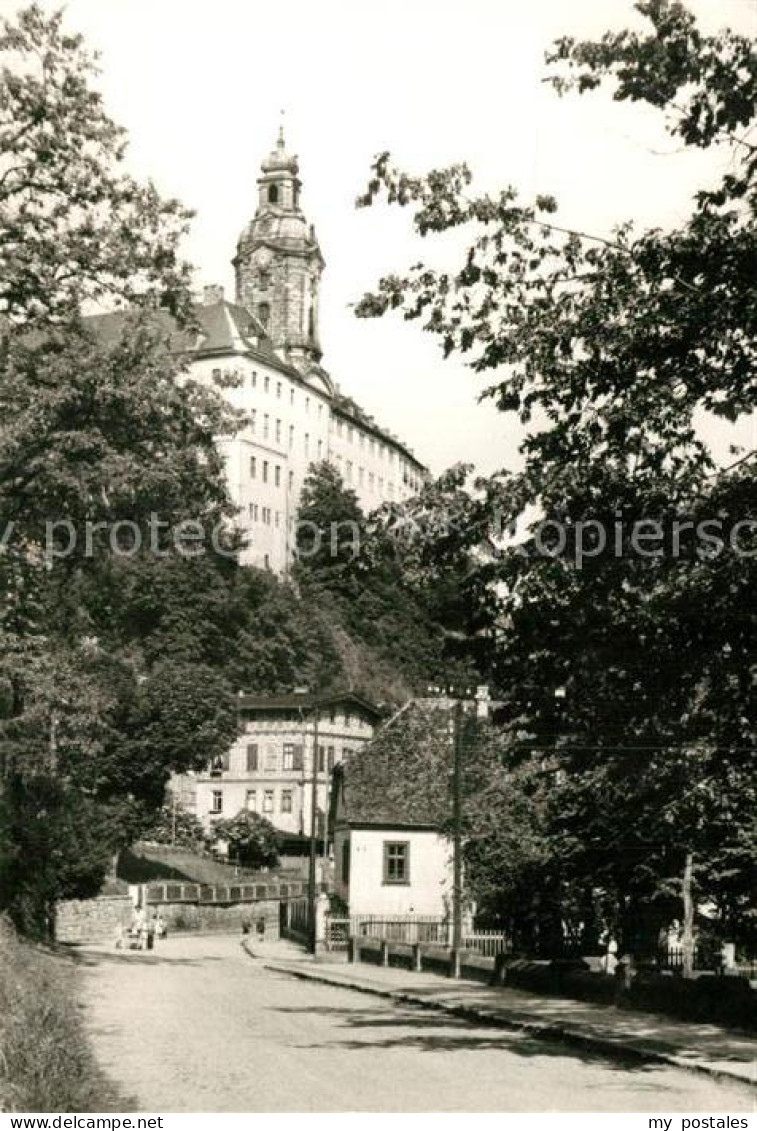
(701, 1048)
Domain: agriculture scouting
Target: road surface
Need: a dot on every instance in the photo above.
(200, 1026)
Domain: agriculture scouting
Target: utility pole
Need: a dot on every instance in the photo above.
(457, 855)
(687, 940)
(313, 836)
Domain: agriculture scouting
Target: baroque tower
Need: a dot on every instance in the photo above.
(278, 263)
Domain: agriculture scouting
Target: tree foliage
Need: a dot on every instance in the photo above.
(251, 839)
(611, 349)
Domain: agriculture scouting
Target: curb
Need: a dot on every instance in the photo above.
(613, 1046)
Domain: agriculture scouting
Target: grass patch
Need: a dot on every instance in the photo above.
(46, 1063)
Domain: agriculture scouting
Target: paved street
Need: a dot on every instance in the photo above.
(200, 1026)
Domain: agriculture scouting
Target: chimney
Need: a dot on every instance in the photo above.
(212, 293)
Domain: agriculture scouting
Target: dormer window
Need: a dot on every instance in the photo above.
(273, 194)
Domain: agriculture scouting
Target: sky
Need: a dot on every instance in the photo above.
(200, 88)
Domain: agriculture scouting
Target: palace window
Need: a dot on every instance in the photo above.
(321, 759)
(268, 801)
(278, 431)
(299, 761)
(251, 800)
(278, 389)
(216, 801)
(288, 756)
(291, 480)
(277, 475)
(266, 422)
(253, 467)
(265, 470)
(266, 382)
(286, 801)
(271, 759)
(330, 757)
(252, 757)
(396, 862)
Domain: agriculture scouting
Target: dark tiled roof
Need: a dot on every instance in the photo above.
(305, 701)
(222, 328)
(225, 328)
(402, 777)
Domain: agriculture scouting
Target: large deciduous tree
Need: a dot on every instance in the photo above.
(611, 349)
(100, 432)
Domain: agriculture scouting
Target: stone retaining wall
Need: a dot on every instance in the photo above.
(92, 920)
(230, 917)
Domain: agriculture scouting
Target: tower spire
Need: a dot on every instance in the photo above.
(278, 263)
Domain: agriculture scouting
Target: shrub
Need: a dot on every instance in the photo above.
(46, 1063)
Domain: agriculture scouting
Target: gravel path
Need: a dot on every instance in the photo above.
(200, 1026)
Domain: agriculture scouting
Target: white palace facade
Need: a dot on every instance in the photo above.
(264, 348)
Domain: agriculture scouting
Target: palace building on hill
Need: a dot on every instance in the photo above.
(264, 351)
(268, 340)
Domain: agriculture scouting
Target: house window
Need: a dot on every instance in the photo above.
(253, 467)
(252, 758)
(251, 800)
(219, 764)
(291, 480)
(278, 431)
(253, 419)
(254, 378)
(298, 762)
(288, 756)
(278, 390)
(265, 470)
(266, 424)
(291, 396)
(330, 762)
(286, 801)
(291, 435)
(396, 862)
(346, 862)
(321, 759)
(277, 475)
(266, 382)
(216, 801)
(271, 758)
(268, 801)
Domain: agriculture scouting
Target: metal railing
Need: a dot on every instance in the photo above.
(487, 943)
(407, 929)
